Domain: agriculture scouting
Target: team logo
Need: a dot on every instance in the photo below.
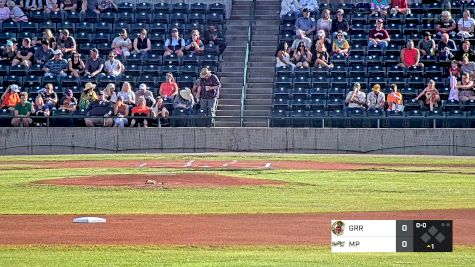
(338, 228)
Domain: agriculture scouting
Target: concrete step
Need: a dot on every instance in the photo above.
(234, 53)
(240, 16)
(266, 11)
(225, 80)
(229, 106)
(272, 37)
(227, 112)
(259, 72)
(237, 39)
(256, 57)
(227, 122)
(237, 29)
(233, 58)
(230, 91)
(263, 101)
(254, 96)
(232, 102)
(256, 123)
(263, 17)
(238, 69)
(272, 23)
(259, 91)
(230, 74)
(261, 79)
(264, 50)
(262, 65)
(264, 43)
(237, 23)
(241, 49)
(261, 85)
(256, 112)
(227, 64)
(265, 28)
(258, 107)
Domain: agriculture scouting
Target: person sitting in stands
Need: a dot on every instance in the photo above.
(465, 51)
(446, 48)
(109, 93)
(446, 24)
(356, 98)
(375, 99)
(33, 5)
(57, 66)
(76, 65)
(290, 7)
(22, 112)
(127, 94)
(169, 88)
(142, 110)
(379, 6)
(325, 22)
(107, 6)
(145, 93)
(301, 37)
(49, 96)
(68, 102)
(160, 111)
(379, 36)
(10, 97)
(25, 54)
(466, 25)
(69, 5)
(410, 56)
(394, 99)
(51, 6)
(4, 12)
(400, 6)
(44, 53)
(426, 46)
(122, 44)
(16, 14)
(465, 88)
(99, 112)
(184, 100)
(94, 65)
(67, 44)
(340, 23)
(113, 67)
(195, 45)
(322, 59)
(174, 45)
(341, 45)
(431, 94)
(282, 57)
(142, 45)
(305, 23)
(302, 56)
(40, 110)
(121, 111)
(87, 96)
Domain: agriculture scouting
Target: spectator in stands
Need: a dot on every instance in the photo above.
(322, 59)
(107, 6)
(465, 51)
(10, 97)
(426, 46)
(446, 48)
(213, 37)
(375, 99)
(454, 69)
(43, 54)
(340, 45)
(282, 57)
(145, 93)
(466, 25)
(196, 88)
(22, 112)
(90, 7)
(67, 44)
(302, 56)
(301, 38)
(395, 99)
(141, 110)
(57, 66)
(160, 110)
(49, 96)
(465, 88)
(175, 44)
(356, 98)
(184, 100)
(51, 6)
(127, 94)
(4, 12)
(142, 45)
(68, 101)
(122, 44)
(169, 88)
(325, 22)
(311, 5)
(87, 96)
(410, 56)
(446, 24)
(290, 7)
(340, 23)
(379, 7)
(209, 92)
(305, 23)
(321, 37)
(431, 94)
(7, 53)
(400, 6)
(94, 64)
(468, 67)
(16, 14)
(25, 54)
(69, 5)
(76, 65)
(49, 37)
(194, 45)
(109, 93)
(33, 5)
(113, 67)
(100, 110)
(379, 36)
(121, 111)
(40, 110)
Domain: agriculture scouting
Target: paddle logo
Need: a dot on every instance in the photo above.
(338, 228)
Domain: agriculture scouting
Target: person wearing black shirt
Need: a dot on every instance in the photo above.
(340, 23)
(24, 54)
(99, 108)
(465, 50)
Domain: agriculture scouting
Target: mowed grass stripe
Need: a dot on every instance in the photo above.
(219, 256)
(306, 191)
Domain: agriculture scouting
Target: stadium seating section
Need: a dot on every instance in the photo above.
(314, 97)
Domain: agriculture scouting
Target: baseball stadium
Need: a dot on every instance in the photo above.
(237, 133)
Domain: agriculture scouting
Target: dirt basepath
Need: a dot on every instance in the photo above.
(263, 229)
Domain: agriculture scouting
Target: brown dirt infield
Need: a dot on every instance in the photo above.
(219, 230)
(162, 181)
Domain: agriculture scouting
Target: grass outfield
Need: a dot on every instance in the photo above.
(216, 256)
(413, 187)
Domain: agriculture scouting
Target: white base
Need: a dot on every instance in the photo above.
(89, 220)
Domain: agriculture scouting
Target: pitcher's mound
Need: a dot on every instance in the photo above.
(164, 180)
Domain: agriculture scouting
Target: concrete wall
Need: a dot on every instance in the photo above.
(21, 141)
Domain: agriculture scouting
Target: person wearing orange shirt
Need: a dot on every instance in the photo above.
(10, 98)
(169, 88)
(142, 110)
(394, 98)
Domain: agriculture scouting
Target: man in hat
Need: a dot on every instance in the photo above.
(99, 112)
(8, 53)
(87, 96)
(148, 95)
(94, 64)
(175, 44)
(301, 37)
(376, 98)
(67, 44)
(57, 66)
(44, 53)
(379, 36)
(184, 100)
(427, 45)
(68, 102)
(10, 97)
(208, 92)
(22, 112)
(24, 54)
(306, 23)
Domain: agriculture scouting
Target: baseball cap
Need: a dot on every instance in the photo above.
(174, 30)
(306, 10)
(9, 43)
(94, 50)
(57, 52)
(321, 33)
(427, 34)
(69, 92)
(15, 88)
(143, 86)
(380, 20)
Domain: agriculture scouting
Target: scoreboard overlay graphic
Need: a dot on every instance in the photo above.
(391, 235)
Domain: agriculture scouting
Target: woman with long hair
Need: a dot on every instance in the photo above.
(282, 57)
(169, 88)
(121, 111)
(76, 65)
(302, 56)
(431, 94)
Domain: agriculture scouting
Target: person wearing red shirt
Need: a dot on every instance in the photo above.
(410, 56)
(400, 6)
(379, 36)
(169, 88)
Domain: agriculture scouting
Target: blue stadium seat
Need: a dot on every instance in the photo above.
(144, 7)
(107, 17)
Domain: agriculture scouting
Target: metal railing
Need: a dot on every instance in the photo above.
(252, 17)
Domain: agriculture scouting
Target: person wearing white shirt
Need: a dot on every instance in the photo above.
(466, 25)
(290, 7)
(112, 66)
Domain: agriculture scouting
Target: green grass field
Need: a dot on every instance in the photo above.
(425, 183)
